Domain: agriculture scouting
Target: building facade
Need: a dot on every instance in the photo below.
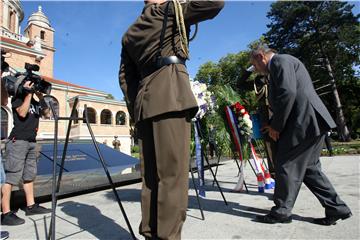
(107, 117)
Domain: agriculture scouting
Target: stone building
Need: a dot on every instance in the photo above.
(107, 117)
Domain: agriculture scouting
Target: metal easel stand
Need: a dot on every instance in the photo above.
(240, 167)
(56, 183)
(197, 125)
(197, 193)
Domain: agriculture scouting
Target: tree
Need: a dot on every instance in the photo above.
(228, 71)
(325, 35)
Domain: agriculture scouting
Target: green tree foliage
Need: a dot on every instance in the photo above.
(228, 71)
(316, 31)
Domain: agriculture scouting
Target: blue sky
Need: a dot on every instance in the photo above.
(88, 37)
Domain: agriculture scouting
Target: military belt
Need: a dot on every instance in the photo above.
(161, 62)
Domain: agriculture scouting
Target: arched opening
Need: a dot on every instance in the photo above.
(55, 103)
(11, 21)
(105, 116)
(4, 123)
(120, 118)
(91, 115)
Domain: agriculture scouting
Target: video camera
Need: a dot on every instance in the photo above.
(15, 84)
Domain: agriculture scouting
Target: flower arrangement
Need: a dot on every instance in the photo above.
(206, 102)
(244, 122)
(204, 98)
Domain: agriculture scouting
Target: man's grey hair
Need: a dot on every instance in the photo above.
(260, 49)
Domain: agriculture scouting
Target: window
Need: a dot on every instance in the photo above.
(42, 35)
(105, 116)
(4, 123)
(91, 115)
(120, 118)
(55, 103)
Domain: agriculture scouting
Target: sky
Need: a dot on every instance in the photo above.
(88, 37)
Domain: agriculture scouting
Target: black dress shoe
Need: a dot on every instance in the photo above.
(331, 220)
(270, 219)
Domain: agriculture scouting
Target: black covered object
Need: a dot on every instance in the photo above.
(82, 168)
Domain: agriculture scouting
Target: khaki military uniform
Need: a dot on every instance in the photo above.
(161, 103)
(260, 85)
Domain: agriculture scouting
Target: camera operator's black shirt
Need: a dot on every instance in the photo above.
(25, 128)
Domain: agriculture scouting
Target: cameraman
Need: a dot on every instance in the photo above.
(20, 153)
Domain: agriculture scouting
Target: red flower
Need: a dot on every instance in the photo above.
(238, 107)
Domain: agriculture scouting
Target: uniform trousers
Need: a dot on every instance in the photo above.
(164, 143)
(302, 164)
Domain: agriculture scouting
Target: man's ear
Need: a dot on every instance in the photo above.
(261, 57)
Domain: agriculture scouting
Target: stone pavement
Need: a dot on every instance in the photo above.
(97, 215)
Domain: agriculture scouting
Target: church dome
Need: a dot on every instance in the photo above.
(39, 19)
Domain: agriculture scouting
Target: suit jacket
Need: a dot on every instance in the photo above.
(149, 92)
(298, 112)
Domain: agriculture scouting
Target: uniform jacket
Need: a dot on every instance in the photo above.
(149, 93)
(298, 112)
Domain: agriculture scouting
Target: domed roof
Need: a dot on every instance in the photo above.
(39, 18)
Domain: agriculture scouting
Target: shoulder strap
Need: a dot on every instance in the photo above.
(163, 29)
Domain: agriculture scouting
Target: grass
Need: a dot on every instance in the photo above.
(344, 148)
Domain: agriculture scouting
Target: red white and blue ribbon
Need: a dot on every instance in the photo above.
(267, 181)
(232, 121)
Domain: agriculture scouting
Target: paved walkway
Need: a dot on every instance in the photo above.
(97, 215)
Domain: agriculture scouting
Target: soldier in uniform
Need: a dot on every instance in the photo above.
(260, 85)
(116, 143)
(155, 83)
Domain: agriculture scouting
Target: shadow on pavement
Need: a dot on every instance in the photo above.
(90, 219)
(208, 205)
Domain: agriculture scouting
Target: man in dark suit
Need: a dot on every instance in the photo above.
(155, 83)
(299, 123)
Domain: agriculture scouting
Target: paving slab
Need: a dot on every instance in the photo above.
(97, 215)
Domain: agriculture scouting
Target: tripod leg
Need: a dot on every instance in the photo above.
(54, 198)
(51, 234)
(197, 193)
(109, 177)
